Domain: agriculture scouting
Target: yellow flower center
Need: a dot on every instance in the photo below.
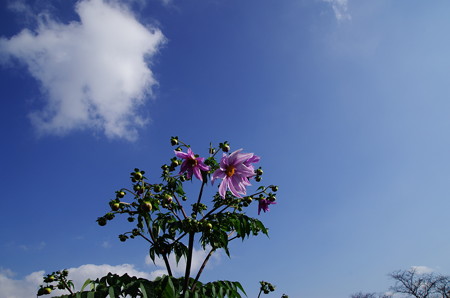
(230, 171)
(192, 162)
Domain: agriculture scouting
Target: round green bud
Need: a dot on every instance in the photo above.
(226, 148)
(123, 238)
(146, 207)
(174, 141)
(115, 206)
(130, 219)
(120, 194)
(109, 216)
(258, 178)
(157, 188)
(259, 171)
(101, 221)
(274, 188)
(168, 199)
(47, 291)
(136, 232)
(137, 176)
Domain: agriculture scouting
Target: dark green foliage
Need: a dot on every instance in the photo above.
(162, 287)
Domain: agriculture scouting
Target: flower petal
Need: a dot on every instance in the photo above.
(181, 154)
(223, 187)
(197, 173)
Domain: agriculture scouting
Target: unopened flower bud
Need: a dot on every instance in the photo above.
(174, 141)
(109, 216)
(130, 219)
(101, 221)
(146, 206)
(137, 176)
(123, 238)
(259, 171)
(115, 206)
(120, 194)
(157, 188)
(274, 188)
(168, 199)
(258, 178)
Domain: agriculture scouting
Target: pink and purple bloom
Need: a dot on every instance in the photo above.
(264, 205)
(192, 164)
(235, 170)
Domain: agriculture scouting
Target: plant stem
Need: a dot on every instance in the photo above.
(260, 291)
(66, 285)
(191, 247)
(182, 209)
(188, 262)
(166, 261)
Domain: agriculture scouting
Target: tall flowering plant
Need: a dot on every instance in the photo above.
(172, 221)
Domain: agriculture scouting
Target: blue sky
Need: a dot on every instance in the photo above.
(345, 101)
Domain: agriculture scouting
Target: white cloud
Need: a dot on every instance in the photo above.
(422, 269)
(27, 287)
(340, 9)
(198, 256)
(94, 73)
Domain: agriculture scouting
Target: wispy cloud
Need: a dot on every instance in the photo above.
(340, 9)
(94, 73)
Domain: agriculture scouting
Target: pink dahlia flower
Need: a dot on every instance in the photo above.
(191, 164)
(235, 169)
(264, 205)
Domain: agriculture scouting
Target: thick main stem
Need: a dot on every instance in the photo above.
(188, 262)
(166, 261)
(187, 273)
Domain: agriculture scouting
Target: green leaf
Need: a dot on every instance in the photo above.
(111, 293)
(87, 282)
(168, 287)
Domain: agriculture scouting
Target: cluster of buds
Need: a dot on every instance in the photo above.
(266, 287)
(258, 173)
(59, 277)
